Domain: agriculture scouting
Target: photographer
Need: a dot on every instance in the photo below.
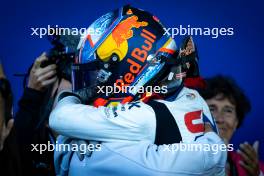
(32, 116)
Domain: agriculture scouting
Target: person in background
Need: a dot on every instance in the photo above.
(9, 156)
(32, 116)
(229, 105)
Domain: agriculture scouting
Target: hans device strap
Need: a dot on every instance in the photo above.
(167, 130)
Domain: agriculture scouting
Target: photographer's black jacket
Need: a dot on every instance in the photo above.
(31, 129)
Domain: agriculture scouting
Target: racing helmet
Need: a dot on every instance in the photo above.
(127, 47)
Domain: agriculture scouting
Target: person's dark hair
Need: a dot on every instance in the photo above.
(228, 88)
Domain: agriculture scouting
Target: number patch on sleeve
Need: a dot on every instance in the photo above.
(189, 119)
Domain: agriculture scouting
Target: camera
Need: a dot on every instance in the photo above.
(62, 54)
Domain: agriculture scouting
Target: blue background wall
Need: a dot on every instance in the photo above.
(240, 55)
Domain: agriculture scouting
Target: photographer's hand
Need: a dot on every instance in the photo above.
(41, 78)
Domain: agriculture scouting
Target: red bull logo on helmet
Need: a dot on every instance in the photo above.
(123, 30)
(137, 58)
(117, 42)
